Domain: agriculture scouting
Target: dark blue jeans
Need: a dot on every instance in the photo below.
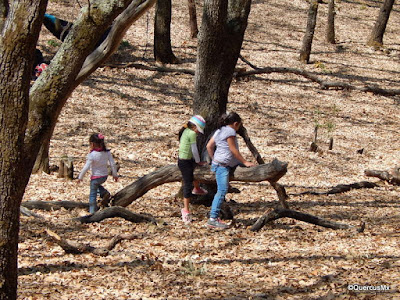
(96, 187)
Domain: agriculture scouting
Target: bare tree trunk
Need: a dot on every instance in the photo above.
(162, 33)
(376, 37)
(330, 29)
(220, 40)
(193, 19)
(309, 34)
(16, 59)
(28, 115)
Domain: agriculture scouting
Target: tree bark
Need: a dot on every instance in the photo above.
(4, 7)
(220, 40)
(376, 37)
(17, 47)
(42, 160)
(162, 33)
(28, 117)
(309, 34)
(271, 172)
(194, 30)
(330, 28)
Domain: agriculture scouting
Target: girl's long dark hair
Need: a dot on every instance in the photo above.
(98, 140)
(228, 119)
(188, 125)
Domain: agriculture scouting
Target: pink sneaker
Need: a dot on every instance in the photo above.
(186, 216)
(199, 191)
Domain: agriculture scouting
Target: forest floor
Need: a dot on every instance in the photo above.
(140, 113)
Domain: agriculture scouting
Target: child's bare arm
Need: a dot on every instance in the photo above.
(236, 153)
(211, 147)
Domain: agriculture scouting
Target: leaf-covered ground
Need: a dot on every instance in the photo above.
(140, 113)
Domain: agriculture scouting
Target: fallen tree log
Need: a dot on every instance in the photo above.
(271, 172)
(383, 175)
(54, 205)
(278, 213)
(78, 248)
(116, 212)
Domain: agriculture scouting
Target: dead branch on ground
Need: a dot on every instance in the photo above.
(384, 175)
(343, 188)
(78, 248)
(324, 84)
(116, 212)
(53, 205)
(278, 213)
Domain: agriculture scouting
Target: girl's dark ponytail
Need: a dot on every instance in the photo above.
(228, 119)
(98, 140)
(188, 125)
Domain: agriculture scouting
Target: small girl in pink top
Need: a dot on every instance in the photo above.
(97, 160)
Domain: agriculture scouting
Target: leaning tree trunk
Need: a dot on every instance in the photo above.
(330, 29)
(376, 37)
(42, 160)
(194, 30)
(121, 24)
(17, 48)
(309, 34)
(162, 33)
(220, 40)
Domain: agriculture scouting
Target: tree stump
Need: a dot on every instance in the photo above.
(66, 168)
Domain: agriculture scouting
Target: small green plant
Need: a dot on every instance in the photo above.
(54, 43)
(124, 45)
(189, 268)
(317, 117)
(330, 126)
(326, 122)
(322, 66)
